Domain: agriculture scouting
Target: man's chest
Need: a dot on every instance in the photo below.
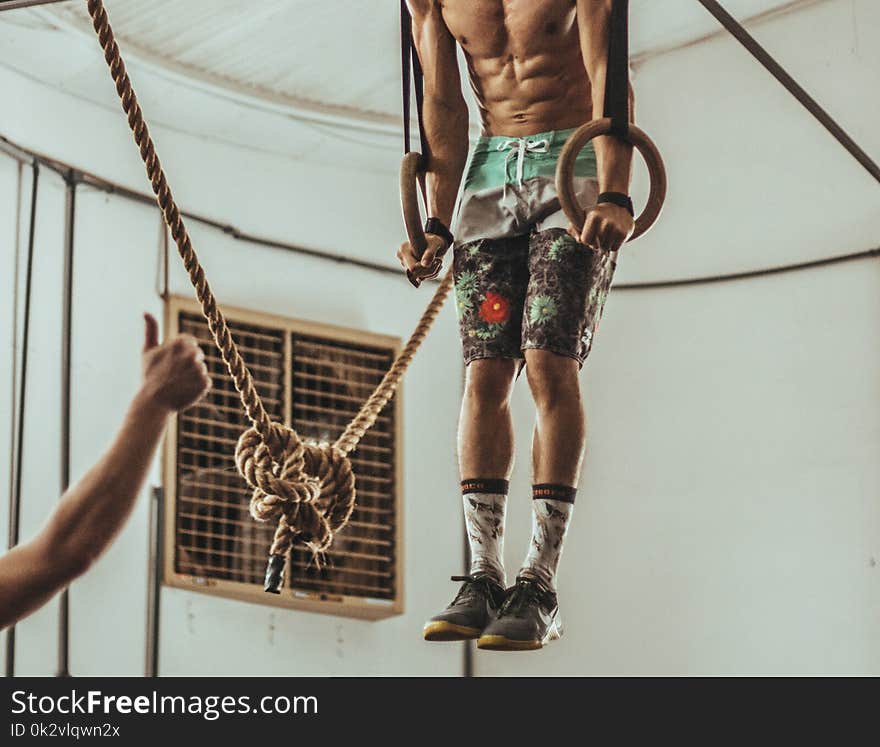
(491, 28)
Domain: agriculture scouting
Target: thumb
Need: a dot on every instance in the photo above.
(151, 332)
(430, 252)
(428, 256)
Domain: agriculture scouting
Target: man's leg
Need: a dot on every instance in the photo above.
(485, 453)
(485, 433)
(567, 289)
(491, 282)
(557, 455)
(560, 425)
(491, 279)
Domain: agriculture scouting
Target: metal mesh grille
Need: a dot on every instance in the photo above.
(331, 380)
(215, 538)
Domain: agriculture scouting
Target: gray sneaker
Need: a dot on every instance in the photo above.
(527, 620)
(472, 609)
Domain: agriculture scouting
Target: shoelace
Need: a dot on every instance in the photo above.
(523, 594)
(518, 148)
(471, 582)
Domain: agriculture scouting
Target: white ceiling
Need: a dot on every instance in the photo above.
(336, 57)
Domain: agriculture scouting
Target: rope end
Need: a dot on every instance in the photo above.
(274, 574)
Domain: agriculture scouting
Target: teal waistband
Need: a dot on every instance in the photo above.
(495, 159)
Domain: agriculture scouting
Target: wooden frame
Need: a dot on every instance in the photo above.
(327, 603)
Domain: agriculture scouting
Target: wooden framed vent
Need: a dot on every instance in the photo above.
(314, 377)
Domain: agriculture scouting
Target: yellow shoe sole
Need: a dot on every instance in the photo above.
(500, 643)
(440, 630)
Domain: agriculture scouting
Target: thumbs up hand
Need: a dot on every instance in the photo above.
(174, 374)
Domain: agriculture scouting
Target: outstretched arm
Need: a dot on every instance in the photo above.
(94, 510)
(607, 226)
(445, 116)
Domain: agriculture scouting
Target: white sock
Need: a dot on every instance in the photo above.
(484, 504)
(552, 507)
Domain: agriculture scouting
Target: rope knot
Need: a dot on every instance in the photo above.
(308, 487)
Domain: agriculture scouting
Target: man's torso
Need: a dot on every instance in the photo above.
(524, 62)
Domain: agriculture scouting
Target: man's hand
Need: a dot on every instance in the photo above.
(606, 228)
(175, 374)
(437, 246)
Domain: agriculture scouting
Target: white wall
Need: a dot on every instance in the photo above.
(728, 519)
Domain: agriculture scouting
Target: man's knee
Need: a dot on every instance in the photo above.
(552, 378)
(489, 381)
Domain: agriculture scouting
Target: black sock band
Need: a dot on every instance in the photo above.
(485, 485)
(549, 491)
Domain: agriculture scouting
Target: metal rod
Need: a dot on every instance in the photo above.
(467, 662)
(154, 580)
(97, 182)
(791, 85)
(15, 4)
(13, 400)
(66, 341)
(89, 179)
(467, 650)
(749, 274)
(15, 496)
(22, 155)
(13, 336)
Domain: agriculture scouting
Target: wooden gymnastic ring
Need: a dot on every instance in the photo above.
(565, 173)
(411, 173)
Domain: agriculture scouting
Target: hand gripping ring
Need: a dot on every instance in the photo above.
(411, 172)
(565, 173)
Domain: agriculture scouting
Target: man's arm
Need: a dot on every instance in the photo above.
(94, 510)
(607, 226)
(445, 117)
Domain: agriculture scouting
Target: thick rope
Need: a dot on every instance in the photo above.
(244, 382)
(308, 488)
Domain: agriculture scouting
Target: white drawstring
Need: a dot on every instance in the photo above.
(518, 147)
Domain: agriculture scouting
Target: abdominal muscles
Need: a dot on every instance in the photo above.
(519, 95)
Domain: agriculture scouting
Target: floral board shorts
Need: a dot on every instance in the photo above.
(521, 282)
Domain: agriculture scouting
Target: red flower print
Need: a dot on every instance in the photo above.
(495, 309)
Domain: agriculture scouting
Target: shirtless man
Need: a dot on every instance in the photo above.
(528, 288)
(94, 510)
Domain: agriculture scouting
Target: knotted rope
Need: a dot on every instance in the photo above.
(308, 488)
